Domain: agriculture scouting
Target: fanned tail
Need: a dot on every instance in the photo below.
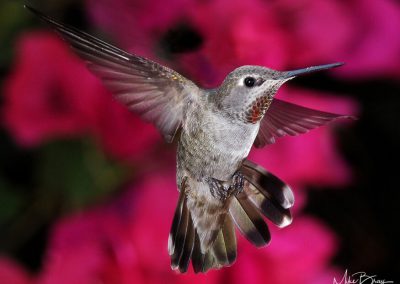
(181, 238)
(222, 253)
(270, 195)
(184, 242)
(263, 196)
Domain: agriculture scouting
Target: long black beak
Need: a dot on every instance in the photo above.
(294, 73)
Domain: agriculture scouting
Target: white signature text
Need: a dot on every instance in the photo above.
(360, 278)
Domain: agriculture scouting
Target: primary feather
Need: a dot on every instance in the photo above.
(158, 94)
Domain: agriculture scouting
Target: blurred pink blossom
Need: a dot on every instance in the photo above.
(137, 24)
(126, 240)
(299, 253)
(374, 49)
(120, 242)
(279, 34)
(43, 98)
(50, 94)
(12, 273)
(276, 34)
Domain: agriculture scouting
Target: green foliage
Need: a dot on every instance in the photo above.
(10, 200)
(68, 175)
(77, 171)
(13, 19)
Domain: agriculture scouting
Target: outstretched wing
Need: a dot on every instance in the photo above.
(283, 118)
(157, 93)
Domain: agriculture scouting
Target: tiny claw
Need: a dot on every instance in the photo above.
(238, 182)
(224, 189)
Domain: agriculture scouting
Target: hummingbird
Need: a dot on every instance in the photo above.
(219, 188)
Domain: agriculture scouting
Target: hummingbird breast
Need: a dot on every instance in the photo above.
(213, 145)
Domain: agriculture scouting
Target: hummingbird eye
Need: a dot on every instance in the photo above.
(249, 82)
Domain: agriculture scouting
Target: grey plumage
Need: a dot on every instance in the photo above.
(218, 186)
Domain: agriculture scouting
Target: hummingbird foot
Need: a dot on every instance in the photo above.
(238, 182)
(218, 189)
(222, 190)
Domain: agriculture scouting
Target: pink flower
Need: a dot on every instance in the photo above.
(43, 95)
(286, 34)
(374, 49)
(283, 34)
(299, 254)
(279, 34)
(126, 242)
(124, 135)
(50, 94)
(121, 242)
(11, 273)
(137, 24)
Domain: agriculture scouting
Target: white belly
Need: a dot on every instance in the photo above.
(214, 146)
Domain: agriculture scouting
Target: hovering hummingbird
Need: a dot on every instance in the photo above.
(218, 186)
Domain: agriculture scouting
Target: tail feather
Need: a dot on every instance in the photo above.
(208, 238)
(208, 213)
(197, 256)
(219, 249)
(268, 184)
(175, 224)
(249, 222)
(278, 215)
(224, 247)
(222, 253)
(201, 262)
(181, 236)
(187, 248)
(271, 196)
(208, 262)
(228, 231)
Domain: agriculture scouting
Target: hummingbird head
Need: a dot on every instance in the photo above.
(247, 92)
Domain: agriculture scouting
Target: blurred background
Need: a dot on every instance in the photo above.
(87, 190)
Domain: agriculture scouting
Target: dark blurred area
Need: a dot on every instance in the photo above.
(364, 214)
(89, 158)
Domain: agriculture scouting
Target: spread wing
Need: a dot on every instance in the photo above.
(157, 93)
(283, 118)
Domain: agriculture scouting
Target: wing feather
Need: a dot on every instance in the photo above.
(283, 118)
(155, 92)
